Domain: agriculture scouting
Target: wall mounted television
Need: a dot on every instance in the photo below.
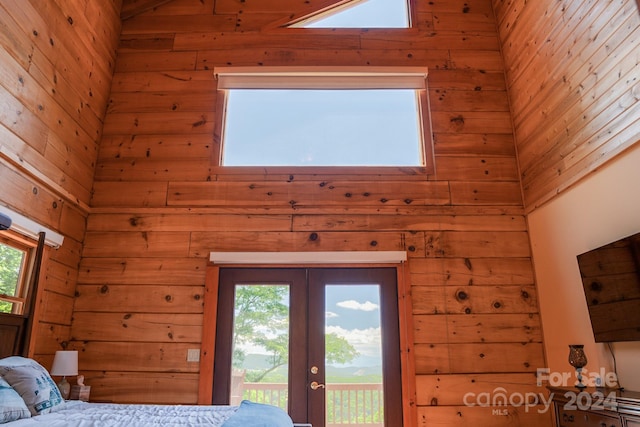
(611, 280)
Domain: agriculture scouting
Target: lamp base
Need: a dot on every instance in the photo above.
(65, 388)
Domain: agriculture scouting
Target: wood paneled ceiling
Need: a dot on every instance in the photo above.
(131, 8)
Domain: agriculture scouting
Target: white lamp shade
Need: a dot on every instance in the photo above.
(65, 363)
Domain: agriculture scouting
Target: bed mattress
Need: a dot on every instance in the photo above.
(84, 414)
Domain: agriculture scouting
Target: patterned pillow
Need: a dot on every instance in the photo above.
(12, 406)
(32, 382)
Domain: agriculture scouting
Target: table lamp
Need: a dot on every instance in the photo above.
(65, 363)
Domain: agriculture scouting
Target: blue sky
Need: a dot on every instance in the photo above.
(353, 312)
(368, 14)
(322, 128)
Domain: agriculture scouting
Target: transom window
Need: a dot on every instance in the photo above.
(324, 117)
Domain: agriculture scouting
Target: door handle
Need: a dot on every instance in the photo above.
(314, 385)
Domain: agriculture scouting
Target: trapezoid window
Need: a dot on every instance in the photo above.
(361, 14)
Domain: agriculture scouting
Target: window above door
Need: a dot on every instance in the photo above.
(355, 117)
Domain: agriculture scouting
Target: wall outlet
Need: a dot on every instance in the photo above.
(193, 355)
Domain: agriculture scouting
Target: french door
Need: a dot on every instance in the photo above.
(322, 343)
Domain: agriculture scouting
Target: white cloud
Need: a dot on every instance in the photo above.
(330, 314)
(366, 341)
(355, 305)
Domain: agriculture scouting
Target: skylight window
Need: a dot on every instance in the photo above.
(362, 14)
(323, 118)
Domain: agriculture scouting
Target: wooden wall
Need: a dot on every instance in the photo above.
(573, 80)
(56, 63)
(160, 205)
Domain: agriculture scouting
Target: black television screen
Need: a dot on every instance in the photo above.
(611, 279)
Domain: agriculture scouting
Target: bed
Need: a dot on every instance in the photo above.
(84, 414)
(30, 398)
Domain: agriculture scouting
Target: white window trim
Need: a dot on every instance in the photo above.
(27, 227)
(321, 257)
(321, 77)
(328, 77)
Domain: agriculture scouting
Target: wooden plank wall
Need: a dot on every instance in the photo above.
(573, 79)
(160, 206)
(57, 59)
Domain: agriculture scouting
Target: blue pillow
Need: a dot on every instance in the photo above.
(33, 383)
(12, 407)
(251, 414)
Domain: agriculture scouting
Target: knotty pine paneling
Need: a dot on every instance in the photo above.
(572, 79)
(158, 299)
(478, 328)
(142, 387)
(471, 271)
(448, 389)
(162, 356)
(406, 222)
(464, 415)
(192, 8)
(57, 60)
(161, 203)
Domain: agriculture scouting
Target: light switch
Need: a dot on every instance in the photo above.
(193, 355)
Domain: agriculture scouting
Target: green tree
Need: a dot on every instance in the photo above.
(259, 314)
(262, 318)
(10, 265)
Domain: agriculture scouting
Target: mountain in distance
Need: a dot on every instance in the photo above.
(368, 373)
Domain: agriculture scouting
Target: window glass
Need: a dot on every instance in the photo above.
(322, 127)
(363, 14)
(260, 353)
(13, 259)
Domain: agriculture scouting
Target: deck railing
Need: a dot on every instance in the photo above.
(348, 405)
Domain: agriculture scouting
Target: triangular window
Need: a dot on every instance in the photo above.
(361, 14)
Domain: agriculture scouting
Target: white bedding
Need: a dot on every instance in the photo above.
(83, 414)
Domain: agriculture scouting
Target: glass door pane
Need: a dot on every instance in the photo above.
(353, 355)
(316, 342)
(260, 345)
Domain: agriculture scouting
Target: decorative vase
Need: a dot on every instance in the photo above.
(578, 360)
